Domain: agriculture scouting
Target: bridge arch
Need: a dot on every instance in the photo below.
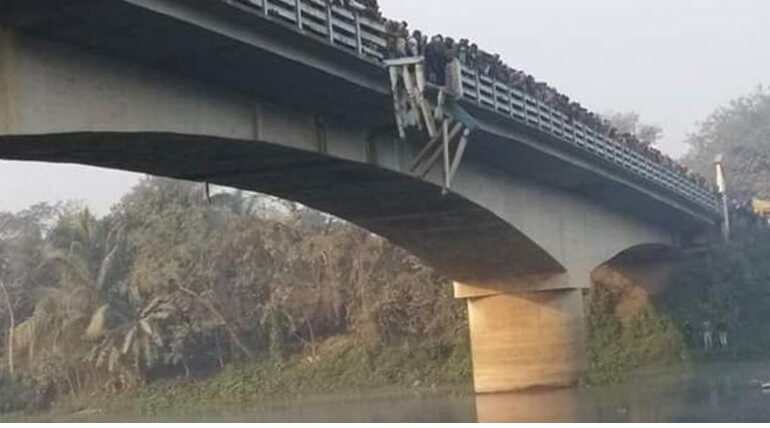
(456, 236)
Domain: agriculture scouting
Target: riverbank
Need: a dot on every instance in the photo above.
(338, 368)
(712, 392)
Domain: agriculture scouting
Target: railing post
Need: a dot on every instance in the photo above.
(299, 13)
(266, 7)
(551, 123)
(329, 21)
(478, 87)
(494, 93)
(359, 40)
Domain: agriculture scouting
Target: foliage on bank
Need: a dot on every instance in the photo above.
(729, 285)
(621, 340)
(20, 393)
(339, 366)
(170, 287)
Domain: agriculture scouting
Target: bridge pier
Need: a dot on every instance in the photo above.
(524, 339)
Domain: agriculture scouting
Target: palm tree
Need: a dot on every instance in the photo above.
(82, 252)
(135, 344)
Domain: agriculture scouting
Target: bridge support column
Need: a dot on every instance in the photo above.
(522, 340)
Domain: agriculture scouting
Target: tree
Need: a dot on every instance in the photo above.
(80, 255)
(11, 323)
(741, 133)
(21, 252)
(630, 123)
(170, 281)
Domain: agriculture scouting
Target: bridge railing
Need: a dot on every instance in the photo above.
(528, 110)
(367, 38)
(340, 26)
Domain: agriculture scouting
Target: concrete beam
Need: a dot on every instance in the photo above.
(523, 284)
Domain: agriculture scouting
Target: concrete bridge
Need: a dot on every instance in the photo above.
(294, 102)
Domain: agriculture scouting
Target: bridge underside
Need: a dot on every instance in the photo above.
(458, 238)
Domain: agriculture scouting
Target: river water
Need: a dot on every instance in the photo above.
(709, 393)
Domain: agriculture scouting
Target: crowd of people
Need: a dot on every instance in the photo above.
(706, 335)
(439, 51)
(368, 8)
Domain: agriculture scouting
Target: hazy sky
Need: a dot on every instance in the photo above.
(673, 61)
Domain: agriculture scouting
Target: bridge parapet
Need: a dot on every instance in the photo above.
(341, 27)
(527, 110)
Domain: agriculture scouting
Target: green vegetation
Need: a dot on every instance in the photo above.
(21, 394)
(340, 366)
(168, 288)
(729, 285)
(619, 344)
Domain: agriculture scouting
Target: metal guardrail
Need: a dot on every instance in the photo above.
(340, 26)
(366, 37)
(526, 109)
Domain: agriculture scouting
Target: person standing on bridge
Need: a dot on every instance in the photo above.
(401, 40)
(473, 56)
(412, 46)
(708, 336)
(462, 52)
(391, 38)
(722, 334)
(690, 338)
(421, 42)
(435, 60)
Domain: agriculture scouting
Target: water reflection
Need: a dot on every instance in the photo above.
(714, 393)
(536, 406)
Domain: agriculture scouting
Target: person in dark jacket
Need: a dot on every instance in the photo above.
(420, 39)
(435, 60)
(722, 334)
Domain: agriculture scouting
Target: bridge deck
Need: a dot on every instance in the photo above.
(366, 38)
(333, 68)
(496, 96)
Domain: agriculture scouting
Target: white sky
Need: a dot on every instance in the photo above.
(673, 61)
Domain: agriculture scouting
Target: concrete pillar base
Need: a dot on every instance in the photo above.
(526, 339)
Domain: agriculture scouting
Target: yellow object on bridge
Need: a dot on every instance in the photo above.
(761, 207)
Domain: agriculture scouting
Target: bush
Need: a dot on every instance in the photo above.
(729, 285)
(20, 394)
(618, 345)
